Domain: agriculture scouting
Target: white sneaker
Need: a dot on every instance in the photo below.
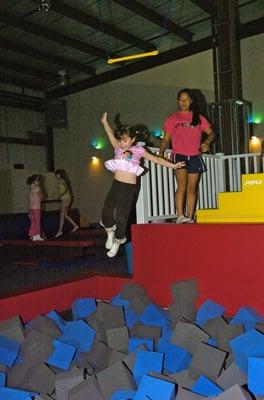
(183, 220)
(114, 249)
(37, 238)
(192, 221)
(110, 239)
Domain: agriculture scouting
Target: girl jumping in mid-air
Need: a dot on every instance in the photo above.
(126, 168)
(35, 197)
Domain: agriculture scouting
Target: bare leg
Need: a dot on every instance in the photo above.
(192, 189)
(74, 225)
(62, 219)
(182, 179)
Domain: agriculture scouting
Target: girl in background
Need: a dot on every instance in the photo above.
(35, 197)
(66, 201)
(126, 167)
(184, 130)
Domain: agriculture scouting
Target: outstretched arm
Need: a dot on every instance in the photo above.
(205, 146)
(162, 161)
(164, 143)
(109, 131)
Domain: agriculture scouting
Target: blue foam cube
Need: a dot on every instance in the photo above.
(118, 301)
(208, 310)
(57, 318)
(176, 358)
(135, 342)
(155, 389)
(82, 308)
(250, 344)
(147, 361)
(131, 317)
(15, 394)
(248, 317)
(79, 334)
(256, 375)
(62, 355)
(2, 379)
(9, 350)
(123, 395)
(153, 315)
(205, 387)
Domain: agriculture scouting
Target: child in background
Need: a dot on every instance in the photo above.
(66, 200)
(126, 168)
(35, 197)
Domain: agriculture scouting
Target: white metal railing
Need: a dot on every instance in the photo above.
(158, 184)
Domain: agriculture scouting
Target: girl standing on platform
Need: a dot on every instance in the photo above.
(126, 167)
(184, 129)
(35, 197)
(66, 201)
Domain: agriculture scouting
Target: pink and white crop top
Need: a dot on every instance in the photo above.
(127, 160)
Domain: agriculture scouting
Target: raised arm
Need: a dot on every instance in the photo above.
(164, 143)
(205, 146)
(162, 161)
(109, 131)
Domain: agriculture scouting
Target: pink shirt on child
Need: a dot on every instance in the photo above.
(186, 139)
(127, 160)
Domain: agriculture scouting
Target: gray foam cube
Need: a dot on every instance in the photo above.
(98, 357)
(115, 377)
(45, 325)
(38, 378)
(185, 291)
(86, 390)
(118, 338)
(99, 328)
(131, 290)
(188, 336)
(13, 328)
(214, 325)
(139, 303)
(110, 316)
(117, 356)
(44, 396)
(185, 394)
(226, 334)
(67, 380)
(231, 376)
(234, 393)
(208, 361)
(183, 379)
(163, 377)
(179, 312)
(36, 347)
(146, 331)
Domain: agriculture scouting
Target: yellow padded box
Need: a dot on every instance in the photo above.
(237, 207)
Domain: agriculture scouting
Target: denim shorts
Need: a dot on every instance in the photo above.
(193, 164)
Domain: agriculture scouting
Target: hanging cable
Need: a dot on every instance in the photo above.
(102, 28)
(150, 53)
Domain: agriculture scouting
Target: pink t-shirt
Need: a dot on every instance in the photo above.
(185, 139)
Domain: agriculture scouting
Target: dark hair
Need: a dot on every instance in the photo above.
(32, 179)
(138, 132)
(193, 107)
(62, 173)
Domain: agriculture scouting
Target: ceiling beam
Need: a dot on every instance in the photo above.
(245, 30)
(155, 18)
(83, 18)
(26, 70)
(21, 82)
(48, 57)
(26, 102)
(30, 142)
(54, 36)
(206, 6)
(135, 67)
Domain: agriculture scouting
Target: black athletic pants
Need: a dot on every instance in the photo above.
(117, 207)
